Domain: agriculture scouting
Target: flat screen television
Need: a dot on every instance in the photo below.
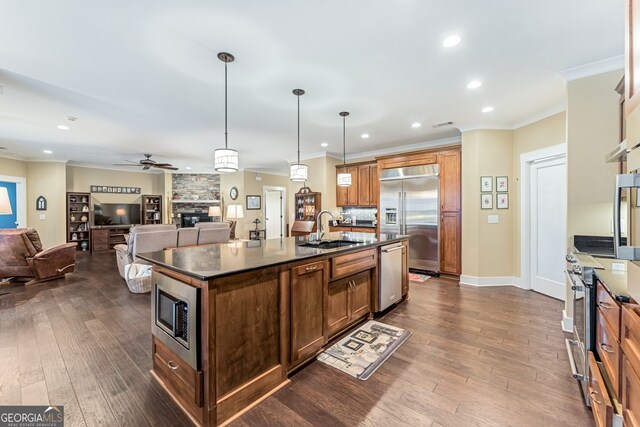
(116, 213)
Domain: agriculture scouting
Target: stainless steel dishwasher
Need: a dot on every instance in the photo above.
(390, 280)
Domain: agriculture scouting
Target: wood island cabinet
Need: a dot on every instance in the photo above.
(349, 300)
(308, 302)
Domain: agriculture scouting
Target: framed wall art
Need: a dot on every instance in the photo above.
(486, 184)
(502, 201)
(486, 201)
(502, 184)
(253, 202)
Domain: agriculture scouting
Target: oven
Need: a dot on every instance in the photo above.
(175, 312)
(581, 277)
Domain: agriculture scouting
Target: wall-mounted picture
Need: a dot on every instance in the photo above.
(486, 184)
(502, 184)
(502, 201)
(105, 189)
(486, 201)
(253, 202)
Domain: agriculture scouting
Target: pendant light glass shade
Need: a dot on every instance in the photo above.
(298, 171)
(344, 178)
(225, 159)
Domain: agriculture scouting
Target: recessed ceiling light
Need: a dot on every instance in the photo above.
(451, 41)
(47, 151)
(188, 168)
(324, 144)
(364, 136)
(487, 109)
(63, 127)
(474, 84)
(416, 125)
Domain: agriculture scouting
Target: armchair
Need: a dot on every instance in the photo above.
(22, 256)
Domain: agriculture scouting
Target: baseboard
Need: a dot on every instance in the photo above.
(490, 281)
(567, 322)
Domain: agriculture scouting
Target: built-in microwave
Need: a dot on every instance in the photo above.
(629, 185)
(175, 312)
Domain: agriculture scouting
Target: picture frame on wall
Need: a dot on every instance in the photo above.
(486, 201)
(254, 202)
(486, 184)
(502, 184)
(502, 201)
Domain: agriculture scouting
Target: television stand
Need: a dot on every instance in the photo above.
(105, 237)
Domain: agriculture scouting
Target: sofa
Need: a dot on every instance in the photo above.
(22, 256)
(151, 238)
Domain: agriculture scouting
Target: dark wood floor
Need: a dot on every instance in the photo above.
(486, 357)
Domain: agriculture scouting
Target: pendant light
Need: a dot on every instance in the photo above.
(344, 178)
(298, 171)
(225, 159)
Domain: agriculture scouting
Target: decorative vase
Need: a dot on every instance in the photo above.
(84, 245)
(73, 218)
(83, 218)
(74, 236)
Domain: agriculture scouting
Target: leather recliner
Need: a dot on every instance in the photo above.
(22, 256)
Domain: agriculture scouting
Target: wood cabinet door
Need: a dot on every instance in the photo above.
(630, 395)
(374, 185)
(342, 193)
(307, 308)
(337, 305)
(360, 294)
(364, 185)
(450, 242)
(352, 190)
(632, 55)
(450, 181)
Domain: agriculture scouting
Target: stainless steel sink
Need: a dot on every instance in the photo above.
(329, 244)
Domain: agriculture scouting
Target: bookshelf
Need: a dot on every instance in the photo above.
(151, 209)
(79, 220)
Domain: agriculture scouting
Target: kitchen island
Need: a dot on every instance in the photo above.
(262, 310)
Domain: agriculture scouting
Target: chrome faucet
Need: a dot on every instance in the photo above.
(319, 231)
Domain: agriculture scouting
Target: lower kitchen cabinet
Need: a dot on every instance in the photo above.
(630, 395)
(450, 242)
(349, 299)
(308, 300)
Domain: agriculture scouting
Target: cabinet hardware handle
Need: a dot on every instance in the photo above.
(604, 305)
(593, 398)
(172, 365)
(605, 347)
(311, 268)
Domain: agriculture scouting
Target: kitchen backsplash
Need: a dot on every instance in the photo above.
(360, 214)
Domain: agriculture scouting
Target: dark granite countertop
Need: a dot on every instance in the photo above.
(210, 261)
(623, 283)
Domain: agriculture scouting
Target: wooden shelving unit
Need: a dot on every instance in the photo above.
(308, 205)
(151, 209)
(104, 238)
(79, 220)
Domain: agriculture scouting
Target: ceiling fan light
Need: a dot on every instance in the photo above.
(225, 160)
(344, 179)
(298, 172)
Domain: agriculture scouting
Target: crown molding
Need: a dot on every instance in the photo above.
(111, 168)
(559, 108)
(409, 147)
(593, 68)
(267, 172)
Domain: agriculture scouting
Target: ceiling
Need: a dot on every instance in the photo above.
(143, 77)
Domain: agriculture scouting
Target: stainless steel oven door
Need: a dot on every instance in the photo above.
(175, 308)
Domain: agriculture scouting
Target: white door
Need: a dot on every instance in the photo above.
(274, 213)
(548, 204)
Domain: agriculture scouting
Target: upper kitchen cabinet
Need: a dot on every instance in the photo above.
(449, 180)
(632, 55)
(364, 187)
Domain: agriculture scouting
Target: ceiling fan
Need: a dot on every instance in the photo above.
(147, 163)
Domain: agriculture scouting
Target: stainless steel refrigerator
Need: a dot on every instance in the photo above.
(409, 205)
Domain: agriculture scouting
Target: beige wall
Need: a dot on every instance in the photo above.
(535, 136)
(11, 167)
(487, 249)
(47, 179)
(592, 131)
(247, 184)
(81, 178)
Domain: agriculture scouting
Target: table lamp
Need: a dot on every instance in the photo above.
(235, 212)
(214, 211)
(5, 203)
(120, 212)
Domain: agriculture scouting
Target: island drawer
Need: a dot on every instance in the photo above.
(177, 375)
(600, 402)
(610, 309)
(345, 265)
(609, 350)
(630, 339)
